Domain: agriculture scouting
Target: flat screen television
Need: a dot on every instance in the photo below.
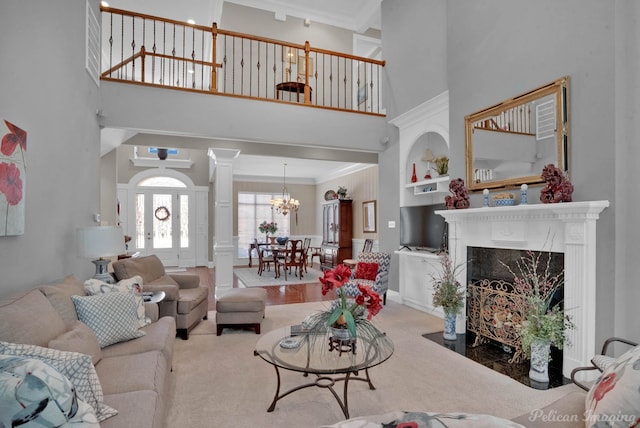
(421, 228)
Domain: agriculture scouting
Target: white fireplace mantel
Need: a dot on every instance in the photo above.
(568, 228)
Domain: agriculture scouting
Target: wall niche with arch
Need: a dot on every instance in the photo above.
(424, 138)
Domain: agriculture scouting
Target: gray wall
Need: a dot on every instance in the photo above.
(496, 49)
(627, 153)
(46, 91)
(414, 47)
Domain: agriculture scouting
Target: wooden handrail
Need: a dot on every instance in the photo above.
(247, 62)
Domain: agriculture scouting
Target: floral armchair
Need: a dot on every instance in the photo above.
(372, 269)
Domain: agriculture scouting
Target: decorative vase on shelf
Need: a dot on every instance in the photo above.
(414, 177)
(539, 369)
(449, 325)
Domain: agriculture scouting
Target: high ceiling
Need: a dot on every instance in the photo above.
(354, 15)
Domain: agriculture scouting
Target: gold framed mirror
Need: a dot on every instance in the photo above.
(369, 219)
(509, 144)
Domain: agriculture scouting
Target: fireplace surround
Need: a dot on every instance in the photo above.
(568, 228)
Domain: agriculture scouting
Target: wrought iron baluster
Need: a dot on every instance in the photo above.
(111, 45)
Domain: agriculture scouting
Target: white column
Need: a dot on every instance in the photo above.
(222, 165)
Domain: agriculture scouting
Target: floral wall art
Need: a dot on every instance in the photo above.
(13, 172)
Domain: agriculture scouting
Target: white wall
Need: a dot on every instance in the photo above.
(45, 90)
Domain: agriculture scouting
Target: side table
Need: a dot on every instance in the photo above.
(153, 296)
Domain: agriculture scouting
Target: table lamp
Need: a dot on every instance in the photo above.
(100, 242)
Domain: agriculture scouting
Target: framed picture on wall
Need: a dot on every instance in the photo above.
(13, 178)
(369, 217)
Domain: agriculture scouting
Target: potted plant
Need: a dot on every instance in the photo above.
(449, 294)
(543, 322)
(442, 165)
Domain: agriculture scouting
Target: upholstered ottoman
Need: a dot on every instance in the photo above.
(241, 307)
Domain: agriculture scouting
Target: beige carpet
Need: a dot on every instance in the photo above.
(249, 277)
(218, 382)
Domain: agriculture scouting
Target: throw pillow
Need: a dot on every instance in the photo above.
(113, 317)
(366, 270)
(76, 367)
(131, 285)
(34, 394)
(79, 339)
(614, 399)
(59, 295)
(426, 420)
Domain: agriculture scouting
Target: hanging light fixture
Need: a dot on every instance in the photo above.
(286, 203)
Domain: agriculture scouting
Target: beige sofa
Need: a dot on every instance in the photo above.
(134, 375)
(185, 299)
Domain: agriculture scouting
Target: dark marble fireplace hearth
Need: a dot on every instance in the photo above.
(492, 355)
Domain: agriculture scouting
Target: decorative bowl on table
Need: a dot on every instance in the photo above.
(503, 199)
(281, 240)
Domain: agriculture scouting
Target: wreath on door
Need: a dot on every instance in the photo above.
(162, 213)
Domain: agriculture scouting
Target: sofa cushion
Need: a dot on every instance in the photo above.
(29, 318)
(190, 298)
(615, 396)
(35, 394)
(59, 295)
(149, 268)
(131, 285)
(78, 368)
(79, 339)
(113, 317)
(159, 336)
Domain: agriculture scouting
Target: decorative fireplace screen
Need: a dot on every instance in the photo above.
(492, 312)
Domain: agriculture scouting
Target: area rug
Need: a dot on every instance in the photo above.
(249, 277)
(218, 382)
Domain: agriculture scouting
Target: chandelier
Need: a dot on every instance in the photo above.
(286, 203)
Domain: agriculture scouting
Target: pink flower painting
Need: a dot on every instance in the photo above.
(13, 171)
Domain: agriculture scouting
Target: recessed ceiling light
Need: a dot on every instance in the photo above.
(191, 21)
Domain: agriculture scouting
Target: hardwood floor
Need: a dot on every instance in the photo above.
(276, 295)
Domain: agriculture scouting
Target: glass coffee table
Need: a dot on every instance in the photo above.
(310, 354)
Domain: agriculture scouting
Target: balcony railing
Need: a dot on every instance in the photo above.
(149, 50)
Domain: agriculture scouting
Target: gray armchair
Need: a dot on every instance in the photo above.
(185, 300)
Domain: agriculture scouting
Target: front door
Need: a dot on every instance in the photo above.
(162, 224)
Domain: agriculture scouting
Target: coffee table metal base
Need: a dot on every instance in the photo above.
(327, 382)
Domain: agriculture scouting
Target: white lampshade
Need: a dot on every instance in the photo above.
(100, 241)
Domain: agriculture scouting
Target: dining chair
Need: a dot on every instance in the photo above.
(306, 245)
(293, 257)
(366, 248)
(265, 258)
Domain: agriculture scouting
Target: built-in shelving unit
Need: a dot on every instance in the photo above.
(431, 186)
(423, 129)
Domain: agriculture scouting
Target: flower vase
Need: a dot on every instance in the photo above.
(449, 326)
(414, 176)
(273, 240)
(341, 340)
(539, 369)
